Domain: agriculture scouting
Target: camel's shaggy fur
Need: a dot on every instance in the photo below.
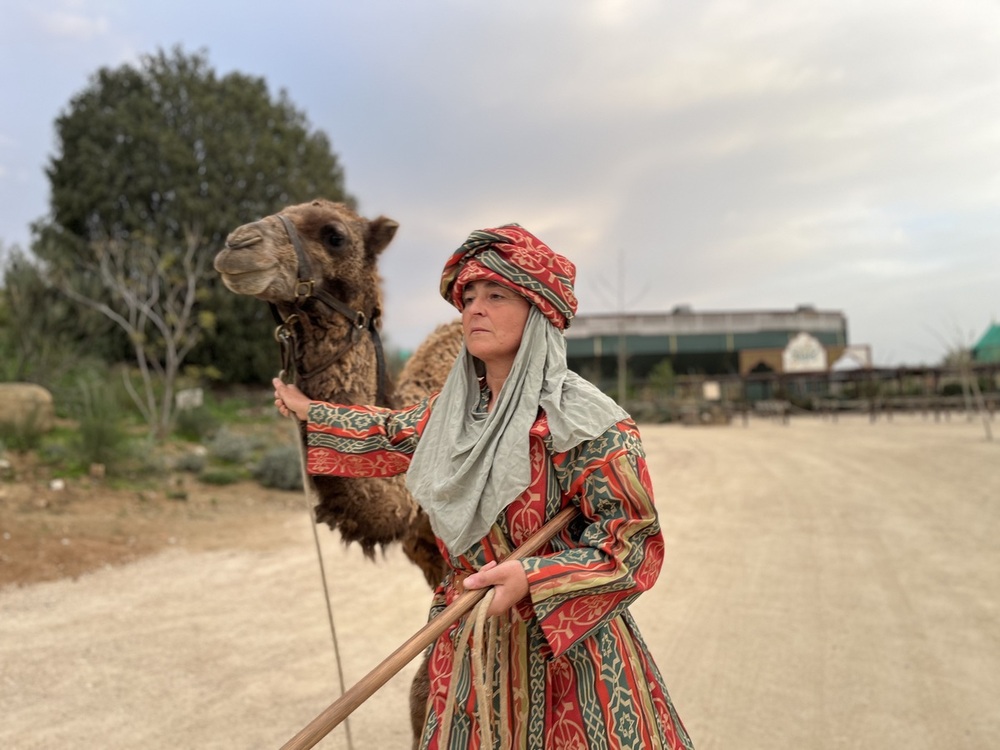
(343, 249)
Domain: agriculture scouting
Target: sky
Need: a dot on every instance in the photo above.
(720, 154)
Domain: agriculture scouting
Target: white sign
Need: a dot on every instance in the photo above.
(711, 391)
(804, 353)
(189, 398)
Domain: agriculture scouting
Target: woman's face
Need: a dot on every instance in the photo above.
(493, 319)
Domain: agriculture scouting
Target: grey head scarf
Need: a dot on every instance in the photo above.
(470, 464)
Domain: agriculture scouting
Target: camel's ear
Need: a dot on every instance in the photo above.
(380, 234)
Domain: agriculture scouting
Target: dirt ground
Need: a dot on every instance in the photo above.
(826, 585)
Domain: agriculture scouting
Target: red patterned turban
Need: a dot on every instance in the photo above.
(514, 257)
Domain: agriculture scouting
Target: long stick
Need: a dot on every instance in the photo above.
(340, 709)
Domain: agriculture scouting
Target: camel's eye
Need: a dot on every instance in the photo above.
(331, 237)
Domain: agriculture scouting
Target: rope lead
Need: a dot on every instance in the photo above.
(322, 570)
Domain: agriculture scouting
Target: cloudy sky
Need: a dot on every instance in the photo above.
(724, 154)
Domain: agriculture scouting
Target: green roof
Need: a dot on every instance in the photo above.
(987, 349)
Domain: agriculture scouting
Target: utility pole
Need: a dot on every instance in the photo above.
(622, 354)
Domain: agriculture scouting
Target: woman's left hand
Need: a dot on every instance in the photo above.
(290, 400)
(509, 582)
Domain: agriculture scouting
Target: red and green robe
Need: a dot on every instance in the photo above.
(572, 671)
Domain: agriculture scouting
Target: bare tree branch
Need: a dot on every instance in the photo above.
(152, 297)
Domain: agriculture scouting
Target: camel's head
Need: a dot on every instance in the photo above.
(260, 260)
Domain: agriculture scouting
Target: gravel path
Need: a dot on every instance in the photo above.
(827, 585)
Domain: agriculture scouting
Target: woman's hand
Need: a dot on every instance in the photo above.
(509, 582)
(290, 400)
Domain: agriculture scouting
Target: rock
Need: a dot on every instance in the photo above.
(26, 406)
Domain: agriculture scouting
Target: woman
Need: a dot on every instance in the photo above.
(513, 437)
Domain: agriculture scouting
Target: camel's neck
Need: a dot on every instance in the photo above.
(335, 359)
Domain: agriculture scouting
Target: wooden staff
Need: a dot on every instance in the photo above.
(340, 709)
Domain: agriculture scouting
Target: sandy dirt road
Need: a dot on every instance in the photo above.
(827, 585)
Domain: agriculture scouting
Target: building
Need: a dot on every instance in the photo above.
(708, 343)
(987, 349)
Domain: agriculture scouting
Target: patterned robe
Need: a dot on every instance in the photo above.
(567, 668)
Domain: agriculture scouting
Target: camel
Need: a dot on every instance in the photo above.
(336, 353)
(316, 265)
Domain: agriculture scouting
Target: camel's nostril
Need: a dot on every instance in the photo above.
(236, 244)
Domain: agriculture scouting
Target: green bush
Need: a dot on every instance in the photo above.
(195, 424)
(280, 468)
(233, 448)
(21, 436)
(220, 476)
(191, 462)
(100, 437)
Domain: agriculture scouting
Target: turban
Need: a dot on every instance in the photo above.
(515, 258)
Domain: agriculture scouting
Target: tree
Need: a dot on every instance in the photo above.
(152, 300)
(959, 359)
(155, 164)
(38, 334)
(662, 377)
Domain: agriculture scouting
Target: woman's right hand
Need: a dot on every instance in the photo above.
(509, 582)
(290, 400)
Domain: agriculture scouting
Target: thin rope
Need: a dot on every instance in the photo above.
(483, 644)
(484, 683)
(449, 707)
(506, 737)
(311, 505)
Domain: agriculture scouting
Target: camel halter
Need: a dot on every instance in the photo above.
(307, 288)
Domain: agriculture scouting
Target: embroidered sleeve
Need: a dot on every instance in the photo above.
(617, 556)
(363, 441)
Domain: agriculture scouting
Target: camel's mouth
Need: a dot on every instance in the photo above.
(248, 282)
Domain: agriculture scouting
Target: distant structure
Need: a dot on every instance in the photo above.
(713, 343)
(769, 362)
(987, 349)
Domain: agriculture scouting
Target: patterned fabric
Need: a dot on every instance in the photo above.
(571, 670)
(512, 256)
(452, 475)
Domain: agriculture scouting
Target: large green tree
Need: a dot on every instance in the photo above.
(155, 163)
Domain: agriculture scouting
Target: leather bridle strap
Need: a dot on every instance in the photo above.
(306, 286)
(305, 289)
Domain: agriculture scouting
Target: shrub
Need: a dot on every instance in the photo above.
(100, 437)
(195, 424)
(22, 436)
(220, 476)
(952, 389)
(280, 468)
(191, 462)
(232, 448)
